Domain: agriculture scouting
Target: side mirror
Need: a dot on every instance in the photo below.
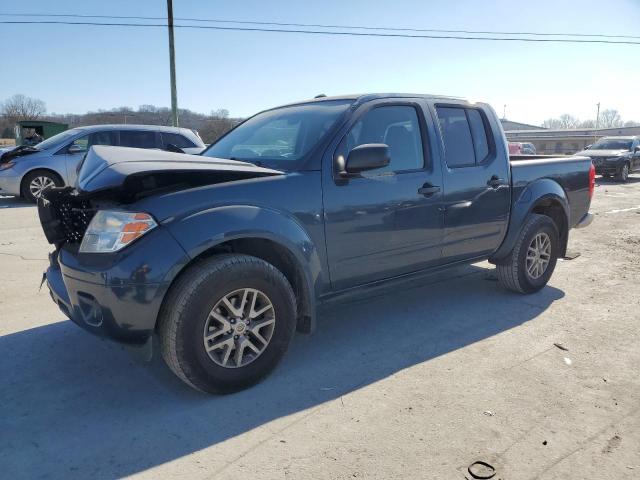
(636, 150)
(73, 149)
(587, 147)
(368, 156)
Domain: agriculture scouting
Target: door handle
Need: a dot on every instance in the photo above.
(495, 182)
(427, 189)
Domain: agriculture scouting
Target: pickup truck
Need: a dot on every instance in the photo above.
(222, 257)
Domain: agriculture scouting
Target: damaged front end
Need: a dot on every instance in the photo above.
(114, 177)
(108, 287)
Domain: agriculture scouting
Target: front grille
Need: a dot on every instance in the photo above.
(75, 220)
(64, 216)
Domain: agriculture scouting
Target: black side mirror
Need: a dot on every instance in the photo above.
(73, 149)
(368, 156)
(170, 147)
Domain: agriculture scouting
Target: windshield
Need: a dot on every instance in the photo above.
(280, 138)
(58, 139)
(612, 144)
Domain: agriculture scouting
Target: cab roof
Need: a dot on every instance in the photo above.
(358, 99)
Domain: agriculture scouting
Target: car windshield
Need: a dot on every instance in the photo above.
(612, 144)
(280, 138)
(58, 139)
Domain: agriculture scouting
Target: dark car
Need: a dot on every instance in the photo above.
(225, 255)
(615, 156)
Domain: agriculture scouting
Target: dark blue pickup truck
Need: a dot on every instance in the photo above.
(225, 255)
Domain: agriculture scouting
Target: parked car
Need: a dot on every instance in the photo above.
(227, 254)
(615, 156)
(515, 148)
(528, 148)
(28, 170)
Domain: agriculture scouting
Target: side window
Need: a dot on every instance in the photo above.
(138, 139)
(103, 138)
(479, 135)
(396, 126)
(456, 134)
(79, 144)
(176, 139)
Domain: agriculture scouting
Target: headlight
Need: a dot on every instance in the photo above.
(110, 231)
(6, 166)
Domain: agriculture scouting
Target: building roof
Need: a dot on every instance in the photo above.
(511, 125)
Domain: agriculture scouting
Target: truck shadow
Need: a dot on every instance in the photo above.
(75, 406)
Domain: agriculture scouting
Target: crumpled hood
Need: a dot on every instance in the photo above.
(601, 153)
(137, 170)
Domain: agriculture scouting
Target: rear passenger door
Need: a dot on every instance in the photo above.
(476, 183)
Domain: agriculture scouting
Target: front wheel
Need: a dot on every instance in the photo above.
(533, 259)
(623, 175)
(227, 322)
(36, 182)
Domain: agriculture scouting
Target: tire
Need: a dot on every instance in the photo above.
(187, 317)
(623, 174)
(37, 181)
(514, 273)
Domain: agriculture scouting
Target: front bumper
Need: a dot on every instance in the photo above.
(118, 297)
(9, 183)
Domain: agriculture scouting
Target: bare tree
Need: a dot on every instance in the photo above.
(588, 124)
(20, 107)
(631, 123)
(610, 118)
(552, 123)
(568, 121)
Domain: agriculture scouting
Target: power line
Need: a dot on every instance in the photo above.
(319, 25)
(321, 32)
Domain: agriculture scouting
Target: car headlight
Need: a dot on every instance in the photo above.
(6, 166)
(111, 230)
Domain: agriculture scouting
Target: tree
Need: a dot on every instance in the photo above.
(552, 123)
(588, 124)
(609, 118)
(631, 123)
(20, 107)
(568, 121)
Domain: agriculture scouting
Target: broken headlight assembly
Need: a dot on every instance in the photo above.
(111, 230)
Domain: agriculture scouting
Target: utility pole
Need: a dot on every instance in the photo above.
(172, 65)
(595, 132)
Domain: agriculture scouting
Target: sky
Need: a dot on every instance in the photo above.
(76, 69)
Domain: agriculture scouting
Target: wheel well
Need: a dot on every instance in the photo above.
(47, 170)
(281, 258)
(553, 209)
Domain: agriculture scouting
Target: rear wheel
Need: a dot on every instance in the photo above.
(533, 259)
(38, 181)
(227, 322)
(623, 174)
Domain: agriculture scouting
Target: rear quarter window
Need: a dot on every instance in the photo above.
(138, 139)
(176, 139)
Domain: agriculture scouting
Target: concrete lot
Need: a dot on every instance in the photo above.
(416, 384)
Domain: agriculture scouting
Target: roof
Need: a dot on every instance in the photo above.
(362, 98)
(510, 125)
(130, 126)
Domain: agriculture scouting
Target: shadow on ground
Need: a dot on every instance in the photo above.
(14, 202)
(613, 181)
(75, 406)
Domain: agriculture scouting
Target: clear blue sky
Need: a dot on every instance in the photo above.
(79, 68)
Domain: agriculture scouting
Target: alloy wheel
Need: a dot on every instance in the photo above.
(40, 184)
(239, 328)
(538, 255)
